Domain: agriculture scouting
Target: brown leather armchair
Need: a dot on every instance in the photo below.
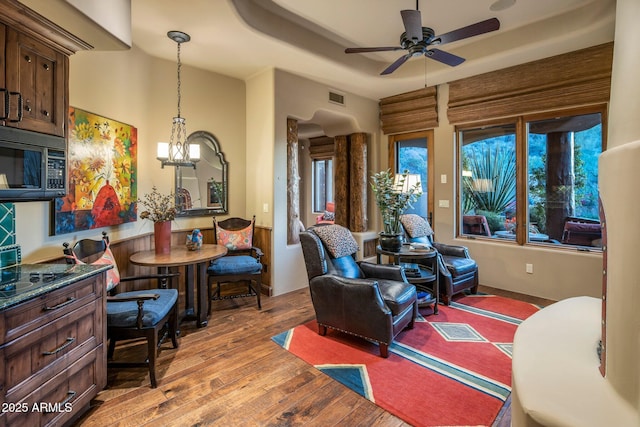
(458, 271)
(367, 300)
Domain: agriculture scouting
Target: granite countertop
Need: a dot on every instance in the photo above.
(22, 282)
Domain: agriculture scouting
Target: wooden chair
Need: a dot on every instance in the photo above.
(242, 262)
(136, 314)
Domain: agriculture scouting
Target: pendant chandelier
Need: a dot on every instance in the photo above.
(178, 151)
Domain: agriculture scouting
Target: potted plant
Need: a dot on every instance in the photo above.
(394, 194)
(161, 209)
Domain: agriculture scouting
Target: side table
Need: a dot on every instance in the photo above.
(428, 275)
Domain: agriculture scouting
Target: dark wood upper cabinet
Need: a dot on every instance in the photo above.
(35, 78)
(34, 70)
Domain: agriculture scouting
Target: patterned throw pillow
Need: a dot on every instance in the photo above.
(329, 216)
(235, 239)
(337, 239)
(415, 225)
(113, 275)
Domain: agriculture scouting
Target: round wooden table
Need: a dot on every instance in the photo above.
(181, 256)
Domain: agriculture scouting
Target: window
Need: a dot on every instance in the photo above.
(534, 180)
(322, 184)
(414, 152)
(412, 157)
(488, 179)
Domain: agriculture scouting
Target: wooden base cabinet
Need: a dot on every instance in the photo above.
(53, 355)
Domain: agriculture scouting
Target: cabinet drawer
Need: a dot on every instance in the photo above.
(59, 399)
(44, 309)
(36, 357)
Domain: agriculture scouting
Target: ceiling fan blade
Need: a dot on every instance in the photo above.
(370, 49)
(444, 57)
(469, 31)
(391, 68)
(412, 21)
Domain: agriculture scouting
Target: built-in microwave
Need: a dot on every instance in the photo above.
(33, 166)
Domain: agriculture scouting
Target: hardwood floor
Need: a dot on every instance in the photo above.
(230, 373)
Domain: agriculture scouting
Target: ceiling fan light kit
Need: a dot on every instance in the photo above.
(417, 40)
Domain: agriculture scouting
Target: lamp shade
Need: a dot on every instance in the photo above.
(404, 185)
(483, 185)
(162, 152)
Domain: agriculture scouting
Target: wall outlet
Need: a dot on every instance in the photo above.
(265, 207)
(529, 268)
(443, 178)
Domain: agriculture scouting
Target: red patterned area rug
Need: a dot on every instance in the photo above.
(452, 369)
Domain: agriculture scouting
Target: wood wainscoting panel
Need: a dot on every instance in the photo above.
(123, 249)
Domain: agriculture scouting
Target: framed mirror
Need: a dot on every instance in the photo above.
(202, 190)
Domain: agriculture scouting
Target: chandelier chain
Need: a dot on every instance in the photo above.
(179, 85)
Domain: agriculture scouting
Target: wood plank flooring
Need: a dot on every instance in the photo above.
(230, 373)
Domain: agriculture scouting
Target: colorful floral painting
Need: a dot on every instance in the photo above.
(102, 176)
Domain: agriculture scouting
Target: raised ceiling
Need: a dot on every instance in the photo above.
(240, 38)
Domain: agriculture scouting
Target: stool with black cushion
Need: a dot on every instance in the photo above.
(150, 314)
(242, 262)
(367, 300)
(458, 271)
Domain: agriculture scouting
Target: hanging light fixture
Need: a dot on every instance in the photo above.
(178, 151)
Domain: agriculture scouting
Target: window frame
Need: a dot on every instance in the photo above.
(393, 158)
(522, 168)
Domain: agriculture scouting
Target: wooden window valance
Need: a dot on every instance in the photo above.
(411, 111)
(573, 79)
(322, 147)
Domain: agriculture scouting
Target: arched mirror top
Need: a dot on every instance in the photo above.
(203, 190)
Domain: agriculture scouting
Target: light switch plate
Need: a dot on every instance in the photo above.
(443, 203)
(443, 178)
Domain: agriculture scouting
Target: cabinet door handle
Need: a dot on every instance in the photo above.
(6, 104)
(27, 58)
(70, 396)
(46, 113)
(20, 106)
(67, 343)
(62, 304)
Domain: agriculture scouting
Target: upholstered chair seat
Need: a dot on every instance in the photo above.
(125, 314)
(459, 266)
(235, 265)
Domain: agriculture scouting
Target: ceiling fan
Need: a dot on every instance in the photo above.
(417, 39)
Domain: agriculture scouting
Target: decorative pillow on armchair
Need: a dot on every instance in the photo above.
(337, 239)
(113, 275)
(415, 225)
(329, 216)
(235, 239)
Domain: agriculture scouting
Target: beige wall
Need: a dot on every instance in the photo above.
(134, 88)
(260, 153)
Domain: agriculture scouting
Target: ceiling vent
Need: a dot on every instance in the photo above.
(336, 98)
